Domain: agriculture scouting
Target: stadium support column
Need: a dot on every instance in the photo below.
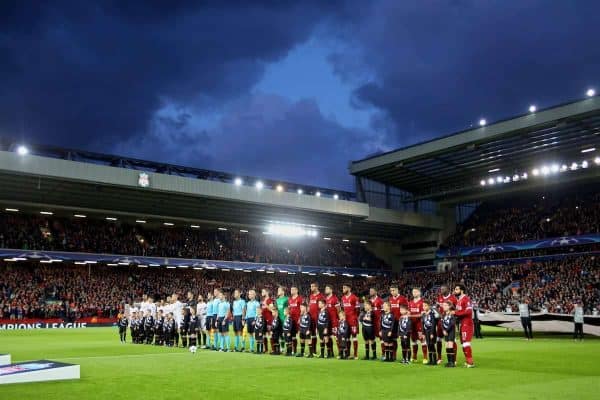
(448, 213)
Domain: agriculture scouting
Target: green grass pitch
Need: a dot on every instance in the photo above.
(507, 368)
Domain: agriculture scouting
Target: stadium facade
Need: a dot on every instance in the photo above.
(406, 201)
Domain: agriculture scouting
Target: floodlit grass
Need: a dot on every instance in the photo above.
(551, 367)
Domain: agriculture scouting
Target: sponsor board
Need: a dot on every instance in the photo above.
(37, 371)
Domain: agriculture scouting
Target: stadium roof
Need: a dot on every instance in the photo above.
(451, 168)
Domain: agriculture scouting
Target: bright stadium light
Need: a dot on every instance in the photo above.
(168, 224)
(22, 150)
(584, 164)
(290, 230)
(506, 179)
(491, 171)
(554, 168)
(238, 181)
(491, 181)
(532, 108)
(279, 188)
(363, 242)
(515, 178)
(243, 231)
(574, 166)
(482, 122)
(535, 172)
(46, 212)
(545, 170)
(222, 229)
(318, 194)
(111, 219)
(195, 226)
(563, 168)
(259, 185)
(482, 182)
(140, 221)
(597, 160)
(11, 209)
(499, 179)
(588, 150)
(345, 240)
(590, 92)
(300, 191)
(335, 196)
(80, 216)
(326, 238)
(524, 176)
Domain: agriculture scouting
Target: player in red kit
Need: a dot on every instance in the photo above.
(444, 296)
(415, 308)
(266, 304)
(395, 300)
(351, 306)
(464, 314)
(313, 310)
(376, 307)
(294, 302)
(333, 308)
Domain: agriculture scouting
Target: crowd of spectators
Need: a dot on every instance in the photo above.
(529, 217)
(91, 236)
(29, 290)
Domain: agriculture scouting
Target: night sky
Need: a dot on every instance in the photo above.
(288, 90)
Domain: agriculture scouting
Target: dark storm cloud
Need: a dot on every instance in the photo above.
(90, 74)
(439, 66)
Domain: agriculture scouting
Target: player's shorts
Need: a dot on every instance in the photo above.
(466, 333)
(451, 337)
(259, 335)
(286, 337)
(223, 325)
(322, 334)
(417, 330)
(304, 335)
(294, 330)
(313, 327)
(386, 338)
(209, 322)
(250, 325)
(238, 326)
(215, 324)
(368, 332)
(275, 336)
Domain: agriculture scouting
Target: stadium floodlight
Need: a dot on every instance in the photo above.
(168, 224)
(574, 166)
(499, 179)
(238, 182)
(326, 238)
(515, 178)
(279, 188)
(11, 209)
(482, 182)
(482, 122)
(563, 168)
(243, 231)
(300, 191)
(494, 170)
(22, 150)
(532, 108)
(140, 221)
(335, 196)
(195, 226)
(46, 212)
(345, 240)
(524, 176)
(289, 230)
(535, 172)
(588, 150)
(491, 181)
(155, 265)
(506, 179)
(183, 266)
(222, 229)
(363, 241)
(545, 170)
(80, 215)
(259, 185)
(554, 168)
(142, 266)
(584, 164)
(597, 160)
(547, 219)
(590, 92)
(318, 194)
(171, 267)
(111, 219)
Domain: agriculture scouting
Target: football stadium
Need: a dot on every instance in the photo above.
(127, 278)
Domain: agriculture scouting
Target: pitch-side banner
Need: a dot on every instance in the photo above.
(55, 323)
(518, 246)
(542, 322)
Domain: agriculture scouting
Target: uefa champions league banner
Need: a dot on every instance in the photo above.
(542, 322)
(52, 257)
(518, 246)
(55, 323)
